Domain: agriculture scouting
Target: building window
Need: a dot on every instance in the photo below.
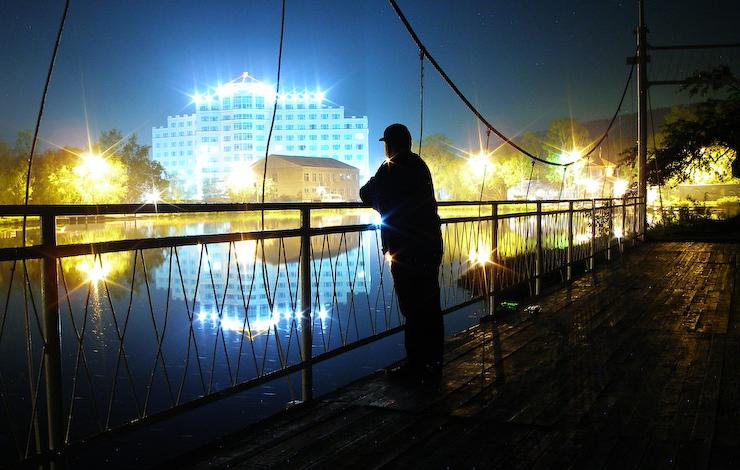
(335, 116)
(306, 176)
(359, 147)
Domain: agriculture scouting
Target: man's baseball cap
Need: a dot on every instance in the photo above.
(396, 134)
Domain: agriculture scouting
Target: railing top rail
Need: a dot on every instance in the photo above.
(40, 210)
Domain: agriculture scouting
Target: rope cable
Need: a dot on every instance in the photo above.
(274, 106)
(472, 107)
(421, 98)
(40, 114)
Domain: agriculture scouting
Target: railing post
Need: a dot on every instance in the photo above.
(306, 317)
(635, 215)
(569, 253)
(624, 220)
(52, 333)
(592, 259)
(538, 253)
(494, 259)
(611, 231)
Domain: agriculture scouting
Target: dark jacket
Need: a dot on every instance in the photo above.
(403, 192)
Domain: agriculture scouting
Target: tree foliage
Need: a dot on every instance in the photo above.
(703, 138)
(143, 174)
(58, 175)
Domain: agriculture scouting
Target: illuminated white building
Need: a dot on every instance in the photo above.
(229, 129)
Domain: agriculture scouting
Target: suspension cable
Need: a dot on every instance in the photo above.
(274, 106)
(421, 98)
(472, 107)
(40, 114)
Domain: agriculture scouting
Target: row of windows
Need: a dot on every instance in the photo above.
(173, 134)
(181, 153)
(322, 178)
(302, 117)
(181, 123)
(182, 143)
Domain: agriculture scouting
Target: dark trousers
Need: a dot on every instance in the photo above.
(416, 281)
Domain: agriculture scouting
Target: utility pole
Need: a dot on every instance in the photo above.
(642, 116)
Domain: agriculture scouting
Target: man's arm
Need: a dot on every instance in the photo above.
(372, 191)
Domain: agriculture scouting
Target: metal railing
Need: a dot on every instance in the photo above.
(102, 336)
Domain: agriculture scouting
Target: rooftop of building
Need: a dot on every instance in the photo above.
(318, 162)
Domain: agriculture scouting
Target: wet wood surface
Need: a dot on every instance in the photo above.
(634, 366)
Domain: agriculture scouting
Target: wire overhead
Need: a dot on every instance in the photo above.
(425, 52)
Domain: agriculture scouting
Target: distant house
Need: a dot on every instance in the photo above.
(532, 190)
(309, 179)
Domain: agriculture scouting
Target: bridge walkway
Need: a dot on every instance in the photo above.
(635, 365)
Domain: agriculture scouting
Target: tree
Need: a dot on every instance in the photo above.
(703, 138)
(564, 135)
(143, 174)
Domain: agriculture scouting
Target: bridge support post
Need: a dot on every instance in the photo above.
(52, 334)
(592, 258)
(538, 268)
(493, 283)
(306, 317)
(635, 214)
(624, 220)
(569, 253)
(610, 236)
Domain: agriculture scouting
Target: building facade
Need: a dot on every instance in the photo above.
(228, 132)
(308, 179)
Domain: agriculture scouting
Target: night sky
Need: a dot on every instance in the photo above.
(131, 63)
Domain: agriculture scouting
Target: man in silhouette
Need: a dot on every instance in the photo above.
(403, 193)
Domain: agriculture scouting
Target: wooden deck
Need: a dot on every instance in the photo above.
(637, 365)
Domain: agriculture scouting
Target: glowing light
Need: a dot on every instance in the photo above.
(322, 314)
(152, 196)
(478, 163)
(197, 99)
(92, 166)
(240, 179)
(246, 251)
(377, 220)
(618, 232)
(619, 188)
(95, 271)
(224, 90)
(592, 186)
(582, 238)
(320, 95)
(388, 257)
(479, 256)
(570, 156)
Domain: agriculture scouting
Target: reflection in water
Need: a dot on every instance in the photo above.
(190, 320)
